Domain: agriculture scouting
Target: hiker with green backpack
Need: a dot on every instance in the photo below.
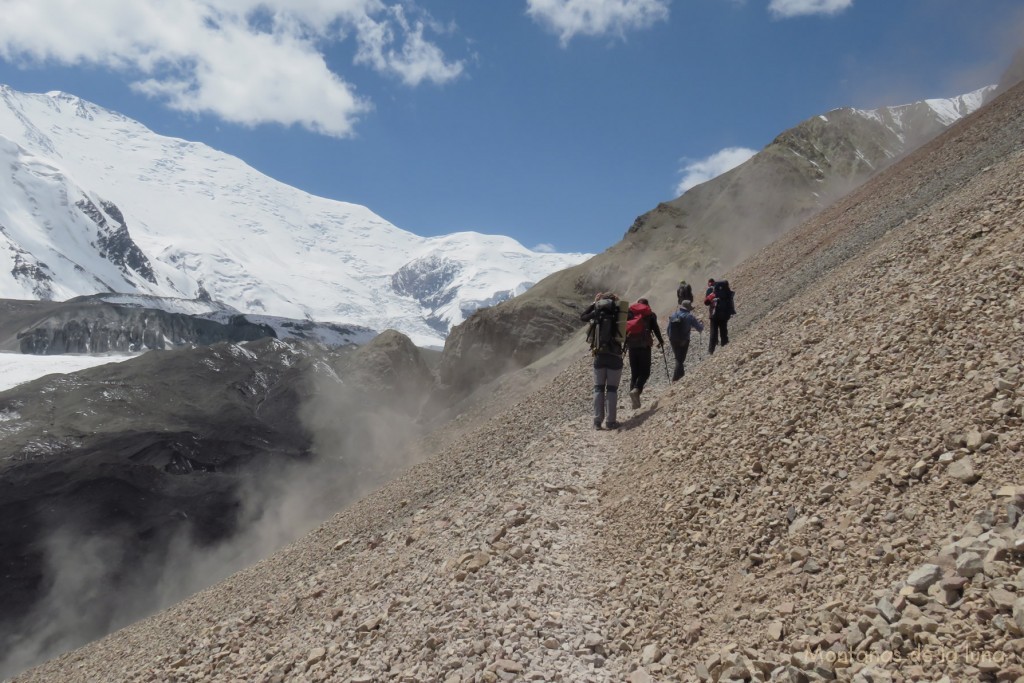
(684, 292)
(606, 334)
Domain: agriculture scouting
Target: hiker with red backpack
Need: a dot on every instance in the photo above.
(641, 328)
(606, 344)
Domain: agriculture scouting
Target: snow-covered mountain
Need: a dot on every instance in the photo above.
(92, 202)
(917, 122)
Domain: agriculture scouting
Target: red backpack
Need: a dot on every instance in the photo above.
(636, 324)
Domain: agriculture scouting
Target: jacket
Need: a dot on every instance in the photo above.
(686, 321)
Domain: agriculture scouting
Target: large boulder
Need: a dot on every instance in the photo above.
(391, 370)
(496, 340)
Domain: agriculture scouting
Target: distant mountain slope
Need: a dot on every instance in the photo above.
(701, 234)
(94, 202)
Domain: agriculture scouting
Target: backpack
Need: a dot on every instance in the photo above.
(637, 327)
(604, 330)
(679, 328)
(684, 293)
(723, 299)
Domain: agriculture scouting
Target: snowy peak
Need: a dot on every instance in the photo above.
(914, 123)
(102, 204)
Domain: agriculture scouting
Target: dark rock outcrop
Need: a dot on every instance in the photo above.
(500, 339)
(90, 325)
(147, 450)
(428, 280)
(113, 242)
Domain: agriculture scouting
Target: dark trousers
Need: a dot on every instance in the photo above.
(719, 328)
(639, 367)
(680, 352)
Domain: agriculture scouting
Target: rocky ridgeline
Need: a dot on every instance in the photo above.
(829, 496)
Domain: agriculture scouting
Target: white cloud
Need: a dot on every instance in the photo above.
(569, 18)
(796, 8)
(417, 60)
(545, 248)
(245, 61)
(703, 170)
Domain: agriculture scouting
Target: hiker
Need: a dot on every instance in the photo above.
(606, 346)
(678, 331)
(684, 292)
(721, 309)
(709, 300)
(641, 323)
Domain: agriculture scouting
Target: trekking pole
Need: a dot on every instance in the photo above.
(665, 358)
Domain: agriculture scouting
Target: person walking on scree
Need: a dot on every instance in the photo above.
(684, 292)
(721, 307)
(641, 324)
(680, 324)
(606, 347)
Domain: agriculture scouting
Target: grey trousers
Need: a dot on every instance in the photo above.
(606, 393)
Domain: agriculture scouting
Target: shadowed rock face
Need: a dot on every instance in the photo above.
(86, 325)
(121, 479)
(144, 450)
(115, 243)
(503, 338)
(390, 363)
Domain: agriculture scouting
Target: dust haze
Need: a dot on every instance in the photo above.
(887, 87)
(95, 583)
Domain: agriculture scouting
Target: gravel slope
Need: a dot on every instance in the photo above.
(839, 479)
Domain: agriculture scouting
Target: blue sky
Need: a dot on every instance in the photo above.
(556, 122)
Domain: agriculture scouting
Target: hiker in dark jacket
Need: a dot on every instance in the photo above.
(684, 292)
(639, 346)
(721, 308)
(709, 297)
(607, 362)
(679, 325)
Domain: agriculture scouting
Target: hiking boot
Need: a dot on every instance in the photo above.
(597, 423)
(612, 425)
(634, 397)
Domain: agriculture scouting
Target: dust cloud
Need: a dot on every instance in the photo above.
(98, 583)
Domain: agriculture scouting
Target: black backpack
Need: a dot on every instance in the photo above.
(603, 334)
(724, 306)
(684, 293)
